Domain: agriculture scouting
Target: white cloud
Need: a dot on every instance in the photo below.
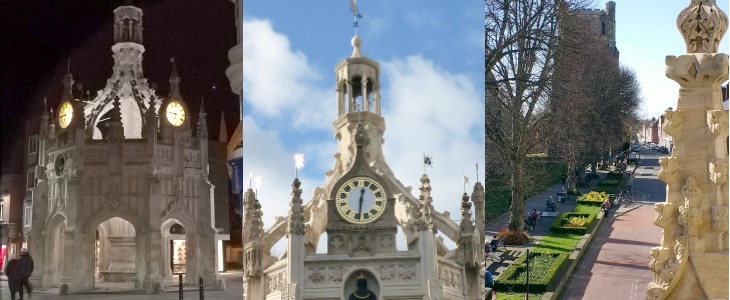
(432, 111)
(279, 81)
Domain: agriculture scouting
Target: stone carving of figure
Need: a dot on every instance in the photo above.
(362, 291)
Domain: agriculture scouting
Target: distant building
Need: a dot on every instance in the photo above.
(603, 24)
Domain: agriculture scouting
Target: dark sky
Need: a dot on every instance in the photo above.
(40, 35)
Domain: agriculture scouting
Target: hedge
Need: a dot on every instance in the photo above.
(542, 273)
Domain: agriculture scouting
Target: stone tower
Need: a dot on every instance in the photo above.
(360, 206)
(691, 261)
(125, 194)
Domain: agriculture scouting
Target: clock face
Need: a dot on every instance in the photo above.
(65, 114)
(360, 200)
(175, 113)
(60, 163)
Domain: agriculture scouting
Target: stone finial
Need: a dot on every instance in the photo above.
(356, 42)
(202, 121)
(425, 208)
(702, 26)
(467, 226)
(296, 215)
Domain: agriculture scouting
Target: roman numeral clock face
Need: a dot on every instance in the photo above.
(360, 200)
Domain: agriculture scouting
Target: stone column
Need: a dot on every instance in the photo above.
(295, 249)
(427, 242)
(691, 261)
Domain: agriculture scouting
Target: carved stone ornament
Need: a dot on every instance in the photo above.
(674, 120)
(718, 171)
(717, 120)
(668, 171)
(316, 275)
(697, 70)
(702, 26)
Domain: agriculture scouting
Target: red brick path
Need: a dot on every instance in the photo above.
(615, 266)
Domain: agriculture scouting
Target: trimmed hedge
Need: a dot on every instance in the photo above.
(609, 182)
(580, 211)
(541, 275)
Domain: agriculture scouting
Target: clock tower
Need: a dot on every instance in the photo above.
(361, 206)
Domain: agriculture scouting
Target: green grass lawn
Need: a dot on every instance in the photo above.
(516, 296)
(563, 242)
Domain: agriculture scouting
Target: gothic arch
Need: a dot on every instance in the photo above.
(54, 246)
(352, 273)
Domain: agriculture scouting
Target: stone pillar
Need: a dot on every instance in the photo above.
(364, 89)
(691, 261)
(340, 100)
(427, 242)
(295, 249)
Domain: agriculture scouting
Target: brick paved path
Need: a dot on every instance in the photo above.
(615, 266)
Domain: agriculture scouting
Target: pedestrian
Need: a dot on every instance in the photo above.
(12, 271)
(563, 178)
(25, 262)
(490, 250)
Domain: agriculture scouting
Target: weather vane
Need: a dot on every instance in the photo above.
(427, 161)
(356, 14)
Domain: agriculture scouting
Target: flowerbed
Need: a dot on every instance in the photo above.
(544, 266)
(593, 198)
(573, 223)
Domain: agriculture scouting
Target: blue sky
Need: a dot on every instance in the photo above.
(431, 55)
(646, 32)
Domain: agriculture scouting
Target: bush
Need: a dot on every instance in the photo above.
(609, 182)
(544, 267)
(513, 238)
(614, 175)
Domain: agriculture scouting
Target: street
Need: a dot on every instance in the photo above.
(233, 281)
(615, 265)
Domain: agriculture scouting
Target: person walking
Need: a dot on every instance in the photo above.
(25, 263)
(12, 271)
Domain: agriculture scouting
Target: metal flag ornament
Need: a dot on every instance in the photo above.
(298, 163)
(356, 14)
(427, 161)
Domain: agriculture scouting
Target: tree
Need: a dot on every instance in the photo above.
(520, 49)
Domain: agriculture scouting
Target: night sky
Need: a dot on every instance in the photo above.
(39, 36)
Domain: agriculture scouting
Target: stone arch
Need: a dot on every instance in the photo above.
(89, 243)
(54, 235)
(348, 281)
(192, 232)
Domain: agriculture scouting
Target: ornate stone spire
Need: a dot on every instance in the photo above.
(467, 250)
(202, 121)
(702, 26)
(116, 128)
(254, 251)
(425, 208)
(477, 197)
(174, 82)
(296, 215)
(467, 225)
(68, 83)
(691, 261)
(223, 130)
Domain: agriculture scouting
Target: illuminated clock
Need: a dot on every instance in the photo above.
(175, 113)
(65, 114)
(360, 200)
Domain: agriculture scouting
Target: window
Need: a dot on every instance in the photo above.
(31, 180)
(33, 144)
(27, 214)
